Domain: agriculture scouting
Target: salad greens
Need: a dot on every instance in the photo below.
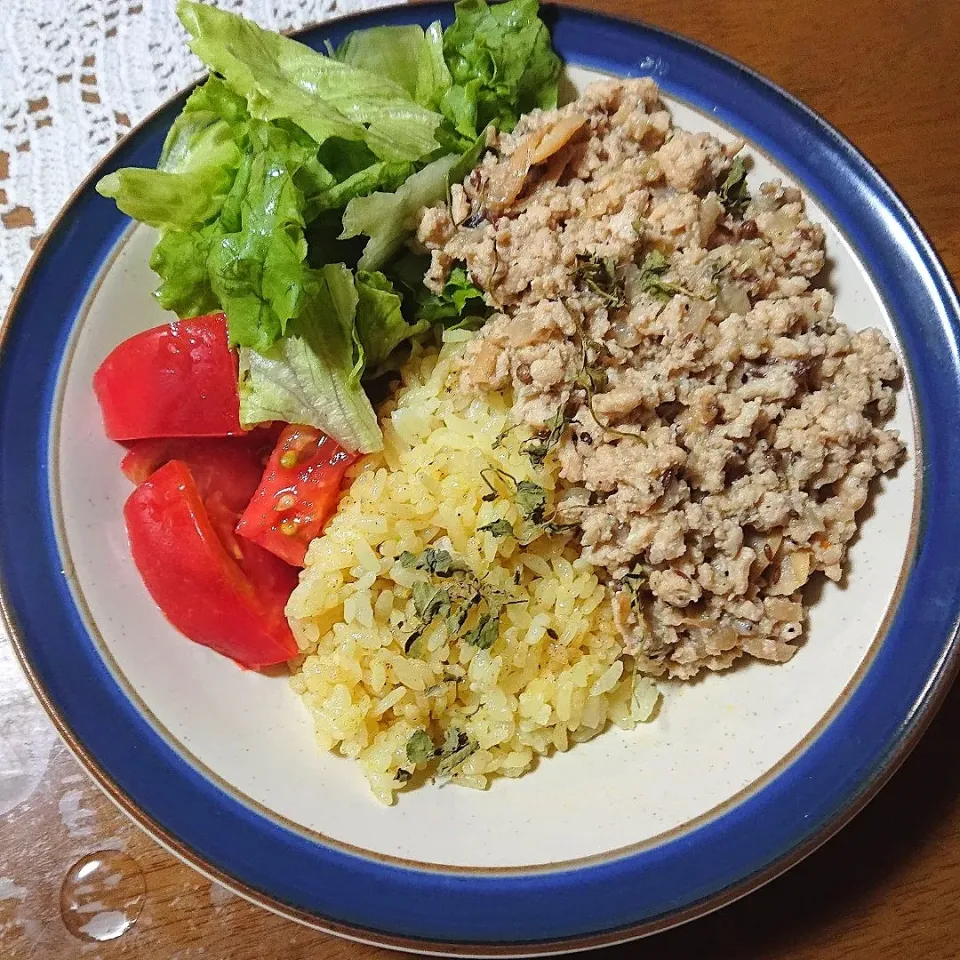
(289, 185)
(326, 97)
(388, 218)
(459, 304)
(381, 326)
(312, 375)
(501, 65)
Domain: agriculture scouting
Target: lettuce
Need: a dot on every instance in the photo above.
(177, 200)
(180, 260)
(493, 64)
(383, 175)
(200, 158)
(381, 326)
(501, 63)
(433, 74)
(258, 270)
(211, 111)
(283, 79)
(309, 376)
(392, 53)
(250, 260)
(388, 219)
(312, 375)
(460, 303)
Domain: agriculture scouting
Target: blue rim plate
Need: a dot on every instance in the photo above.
(515, 912)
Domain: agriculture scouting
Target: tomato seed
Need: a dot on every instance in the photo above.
(288, 528)
(288, 459)
(286, 501)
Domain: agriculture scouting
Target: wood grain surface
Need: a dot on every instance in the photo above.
(887, 74)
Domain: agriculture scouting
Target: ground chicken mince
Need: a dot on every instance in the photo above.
(716, 428)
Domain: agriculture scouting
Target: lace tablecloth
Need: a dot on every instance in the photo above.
(75, 75)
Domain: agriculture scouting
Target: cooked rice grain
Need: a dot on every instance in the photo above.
(555, 675)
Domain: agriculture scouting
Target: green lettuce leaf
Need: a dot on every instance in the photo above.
(344, 158)
(460, 304)
(200, 158)
(381, 326)
(314, 181)
(389, 52)
(210, 110)
(175, 200)
(180, 260)
(257, 266)
(433, 74)
(199, 179)
(286, 162)
(283, 79)
(469, 158)
(388, 219)
(383, 175)
(308, 376)
(501, 62)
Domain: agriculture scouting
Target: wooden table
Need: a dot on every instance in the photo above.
(886, 73)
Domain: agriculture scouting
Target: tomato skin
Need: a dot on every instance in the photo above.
(311, 484)
(176, 380)
(231, 465)
(233, 601)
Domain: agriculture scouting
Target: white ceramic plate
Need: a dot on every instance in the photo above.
(647, 827)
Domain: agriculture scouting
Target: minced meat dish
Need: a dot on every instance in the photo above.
(662, 334)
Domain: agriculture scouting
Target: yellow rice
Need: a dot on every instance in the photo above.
(556, 674)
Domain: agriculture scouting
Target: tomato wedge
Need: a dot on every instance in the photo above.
(298, 493)
(177, 380)
(231, 465)
(227, 597)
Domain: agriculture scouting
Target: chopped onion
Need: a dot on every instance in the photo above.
(778, 226)
(508, 179)
(732, 299)
(710, 212)
(697, 315)
(794, 571)
(625, 333)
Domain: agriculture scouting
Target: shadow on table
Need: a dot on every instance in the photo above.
(842, 877)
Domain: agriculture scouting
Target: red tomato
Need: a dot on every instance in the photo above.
(229, 597)
(297, 494)
(231, 465)
(178, 380)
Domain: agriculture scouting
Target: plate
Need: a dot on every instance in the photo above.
(741, 776)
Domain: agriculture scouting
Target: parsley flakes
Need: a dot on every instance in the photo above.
(453, 602)
(734, 193)
(420, 747)
(654, 266)
(499, 528)
(454, 749)
(531, 500)
(436, 561)
(536, 450)
(485, 633)
(430, 601)
(599, 275)
(633, 584)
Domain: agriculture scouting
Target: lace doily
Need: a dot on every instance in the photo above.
(75, 75)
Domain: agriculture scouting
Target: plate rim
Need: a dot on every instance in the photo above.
(925, 709)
